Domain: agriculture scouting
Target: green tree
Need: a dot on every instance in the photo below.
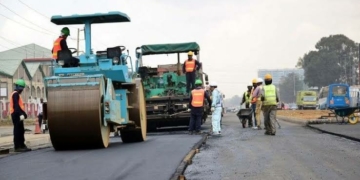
(288, 87)
(334, 61)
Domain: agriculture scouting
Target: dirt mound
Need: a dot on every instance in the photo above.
(303, 114)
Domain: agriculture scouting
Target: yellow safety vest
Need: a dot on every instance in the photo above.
(247, 99)
(270, 95)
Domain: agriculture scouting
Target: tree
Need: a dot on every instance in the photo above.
(288, 87)
(334, 61)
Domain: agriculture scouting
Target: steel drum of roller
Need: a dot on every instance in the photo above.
(77, 110)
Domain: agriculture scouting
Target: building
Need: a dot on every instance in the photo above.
(14, 67)
(277, 74)
(45, 64)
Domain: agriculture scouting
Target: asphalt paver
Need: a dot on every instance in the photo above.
(295, 152)
(157, 158)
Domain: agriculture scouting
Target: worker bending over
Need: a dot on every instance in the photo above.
(216, 109)
(59, 45)
(270, 98)
(17, 110)
(197, 103)
(257, 96)
(189, 69)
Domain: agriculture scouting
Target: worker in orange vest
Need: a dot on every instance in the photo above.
(60, 44)
(196, 104)
(190, 67)
(17, 111)
(253, 101)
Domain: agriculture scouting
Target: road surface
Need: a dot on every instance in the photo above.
(157, 158)
(295, 152)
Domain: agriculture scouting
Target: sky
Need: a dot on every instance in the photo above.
(236, 37)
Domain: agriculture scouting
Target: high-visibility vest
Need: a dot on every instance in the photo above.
(21, 103)
(197, 97)
(270, 95)
(189, 65)
(247, 98)
(57, 47)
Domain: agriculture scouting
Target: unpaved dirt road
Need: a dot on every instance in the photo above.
(303, 114)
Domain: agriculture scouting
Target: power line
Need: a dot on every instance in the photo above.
(22, 17)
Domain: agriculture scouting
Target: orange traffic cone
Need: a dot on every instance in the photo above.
(37, 127)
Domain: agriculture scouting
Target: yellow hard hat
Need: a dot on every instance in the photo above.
(190, 53)
(268, 76)
(254, 80)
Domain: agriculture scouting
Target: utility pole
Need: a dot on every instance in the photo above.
(78, 41)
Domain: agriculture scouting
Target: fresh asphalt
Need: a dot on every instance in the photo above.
(296, 152)
(157, 158)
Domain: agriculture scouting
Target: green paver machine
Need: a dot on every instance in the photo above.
(165, 86)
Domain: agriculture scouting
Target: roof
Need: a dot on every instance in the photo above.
(9, 67)
(169, 48)
(97, 18)
(33, 67)
(26, 51)
(37, 59)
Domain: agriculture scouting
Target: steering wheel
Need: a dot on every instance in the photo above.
(75, 50)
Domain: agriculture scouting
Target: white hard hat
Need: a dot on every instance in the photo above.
(213, 84)
(259, 80)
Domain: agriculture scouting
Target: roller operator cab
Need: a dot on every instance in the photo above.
(165, 85)
(99, 95)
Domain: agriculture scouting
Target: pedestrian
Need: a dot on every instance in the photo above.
(190, 67)
(17, 111)
(216, 109)
(257, 96)
(253, 101)
(40, 111)
(196, 104)
(270, 98)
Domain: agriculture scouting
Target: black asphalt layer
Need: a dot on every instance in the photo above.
(157, 159)
(295, 152)
(348, 130)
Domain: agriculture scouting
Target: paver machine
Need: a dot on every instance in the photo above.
(87, 101)
(165, 85)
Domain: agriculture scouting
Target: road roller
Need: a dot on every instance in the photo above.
(93, 94)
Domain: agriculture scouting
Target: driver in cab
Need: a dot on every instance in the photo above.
(60, 44)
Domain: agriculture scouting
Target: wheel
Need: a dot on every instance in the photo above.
(353, 119)
(137, 113)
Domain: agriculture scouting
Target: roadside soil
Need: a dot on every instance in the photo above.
(7, 122)
(303, 114)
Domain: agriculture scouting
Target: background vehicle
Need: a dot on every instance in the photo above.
(165, 86)
(354, 96)
(334, 96)
(306, 99)
(86, 102)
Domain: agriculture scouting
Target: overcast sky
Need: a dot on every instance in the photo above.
(236, 37)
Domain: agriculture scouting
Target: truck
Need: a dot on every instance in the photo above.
(306, 99)
(165, 86)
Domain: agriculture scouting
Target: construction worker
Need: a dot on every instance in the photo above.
(17, 111)
(269, 98)
(216, 109)
(253, 101)
(257, 96)
(60, 44)
(196, 104)
(40, 111)
(247, 97)
(190, 67)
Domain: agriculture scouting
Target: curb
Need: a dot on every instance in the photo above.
(179, 173)
(332, 133)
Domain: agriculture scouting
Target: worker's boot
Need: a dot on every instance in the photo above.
(197, 132)
(191, 132)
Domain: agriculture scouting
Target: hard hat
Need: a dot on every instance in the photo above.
(212, 84)
(20, 82)
(190, 53)
(254, 81)
(259, 80)
(198, 82)
(268, 76)
(65, 31)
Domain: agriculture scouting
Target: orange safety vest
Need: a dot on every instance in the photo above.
(57, 47)
(197, 97)
(190, 65)
(21, 103)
